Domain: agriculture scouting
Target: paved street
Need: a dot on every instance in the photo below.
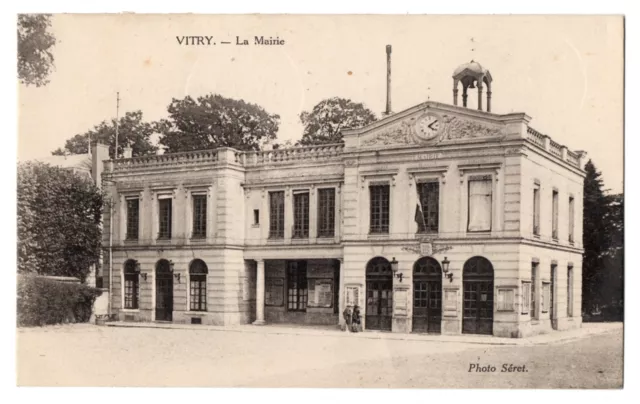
(113, 356)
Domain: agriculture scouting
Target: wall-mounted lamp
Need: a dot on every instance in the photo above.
(445, 269)
(144, 275)
(177, 276)
(394, 269)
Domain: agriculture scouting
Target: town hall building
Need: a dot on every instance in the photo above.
(438, 219)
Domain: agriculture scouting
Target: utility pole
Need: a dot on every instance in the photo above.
(115, 152)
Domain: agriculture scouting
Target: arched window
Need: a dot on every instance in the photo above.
(427, 266)
(379, 266)
(477, 267)
(198, 285)
(131, 284)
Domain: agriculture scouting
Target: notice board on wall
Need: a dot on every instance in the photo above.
(320, 293)
(352, 295)
(274, 292)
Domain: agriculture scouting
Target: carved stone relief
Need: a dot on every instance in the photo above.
(451, 128)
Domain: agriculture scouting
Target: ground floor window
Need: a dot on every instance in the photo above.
(296, 286)
(198, 285)
(131, 285)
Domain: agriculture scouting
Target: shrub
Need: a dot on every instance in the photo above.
(43, 301)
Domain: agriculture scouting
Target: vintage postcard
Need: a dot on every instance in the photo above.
(320, 201)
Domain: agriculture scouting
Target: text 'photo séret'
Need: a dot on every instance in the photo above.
(205, 40)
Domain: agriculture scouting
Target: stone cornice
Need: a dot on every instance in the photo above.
(281, 182)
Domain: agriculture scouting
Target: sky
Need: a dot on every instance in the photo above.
(566, 72)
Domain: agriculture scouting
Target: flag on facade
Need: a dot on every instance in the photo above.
(419, 217)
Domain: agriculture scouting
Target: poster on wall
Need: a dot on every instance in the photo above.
(274, 292)
(320, 293)
(352, 295)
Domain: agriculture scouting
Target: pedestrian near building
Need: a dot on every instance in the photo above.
(355, 319)
(347, 314)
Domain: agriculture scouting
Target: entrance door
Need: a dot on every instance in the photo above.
(379, 295)
(478, 296)
(552, 298)
(427, 296)
(164, 291)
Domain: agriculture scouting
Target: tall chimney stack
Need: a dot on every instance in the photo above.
(388, 110)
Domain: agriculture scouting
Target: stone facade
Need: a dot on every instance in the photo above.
(252, 275)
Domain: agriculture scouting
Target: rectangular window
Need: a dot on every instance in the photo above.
(546, 297)
(326, 212)
(256, 216)
(480, 198)
(571, 218)
(379, 209)
(526, 297)
(536, 209)
(164, 218)
(429, 194)
(534, 282)
(554, 206)
(198, 292)
(133, 218)
(131, 291)
(276, 214)
(570, 292)
(199, 216)
(297, 286)
(300, 214)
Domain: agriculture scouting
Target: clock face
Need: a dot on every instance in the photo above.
(428, 126)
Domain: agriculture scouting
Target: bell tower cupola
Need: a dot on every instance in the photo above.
(472, 75)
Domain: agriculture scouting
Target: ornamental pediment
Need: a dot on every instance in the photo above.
(430, 126)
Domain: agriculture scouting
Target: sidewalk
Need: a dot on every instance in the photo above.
(587, 330)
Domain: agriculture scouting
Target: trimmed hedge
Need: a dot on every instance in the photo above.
(44, 301)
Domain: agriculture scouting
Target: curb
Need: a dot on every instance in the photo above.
(551, 339)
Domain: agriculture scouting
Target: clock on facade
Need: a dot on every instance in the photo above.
(428, 126)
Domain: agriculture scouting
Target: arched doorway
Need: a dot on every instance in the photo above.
(131, 285)
(379, 294)
(198, 285)
(477, 283)
(164, 291)
(427, 295)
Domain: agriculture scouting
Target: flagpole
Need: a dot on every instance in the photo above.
(115, 153)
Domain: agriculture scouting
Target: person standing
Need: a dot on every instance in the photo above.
(348, 318)
(355, 319)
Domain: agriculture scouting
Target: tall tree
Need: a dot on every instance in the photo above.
(214, 121)
(132, 131)
(59, 216)
(35, 57)
(326, 120)
(596, 237)
(613, 262)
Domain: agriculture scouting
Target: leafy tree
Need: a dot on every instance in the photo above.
(612, 287)
(59, 216)
(131, 131)
(35, 59)
(325, 121)
(596, 237)
(214, 121)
